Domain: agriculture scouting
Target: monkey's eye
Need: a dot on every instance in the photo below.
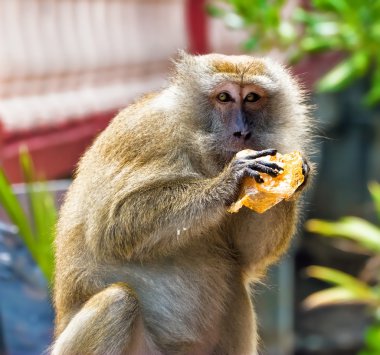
(224, 97)
(252, 97)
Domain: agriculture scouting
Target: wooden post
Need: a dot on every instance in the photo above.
(196, 23)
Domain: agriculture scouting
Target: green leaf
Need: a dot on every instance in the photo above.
(326, 28)
(375, 31)
(338, 6)
(356, 288)
(344, 73)
(215, 11)
(317, 44)
(337, 78)
(304, 16)
(17, 215)
(233, 21)
(34, 202)
(38, 238)
(374, 189)
(373, 96)
(287, 31)
(353, 228)
(372, 340)
(335, 295)
(44, 215)
(250, 44)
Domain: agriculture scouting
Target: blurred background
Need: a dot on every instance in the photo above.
(68, 66)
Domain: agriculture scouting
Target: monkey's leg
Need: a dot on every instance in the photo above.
(239, 333)
(108, 323)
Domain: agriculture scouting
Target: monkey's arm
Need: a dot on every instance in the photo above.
(160, 214)
(153, 213)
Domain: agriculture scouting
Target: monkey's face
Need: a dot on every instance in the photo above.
(241, 109)
(242, 102)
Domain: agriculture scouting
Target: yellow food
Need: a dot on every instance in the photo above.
(262, 196)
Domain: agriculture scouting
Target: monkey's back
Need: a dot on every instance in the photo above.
(84, 251)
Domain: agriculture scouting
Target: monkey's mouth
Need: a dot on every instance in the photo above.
(234, 147)
(229, 153)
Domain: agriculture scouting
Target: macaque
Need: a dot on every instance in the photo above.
(148, 260)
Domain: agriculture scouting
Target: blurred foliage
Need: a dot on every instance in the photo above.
(261, 18)
(346, 26)
(364, 289)
(36, 225)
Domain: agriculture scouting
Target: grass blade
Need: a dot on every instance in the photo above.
(374, 189)
(353, 228)
(339, 278)
(43, 211)
(17, 215)
(335, 295)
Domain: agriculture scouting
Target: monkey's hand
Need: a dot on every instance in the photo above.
(245, 164)
(306, 172)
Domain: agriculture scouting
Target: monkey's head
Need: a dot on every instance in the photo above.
(243, 102)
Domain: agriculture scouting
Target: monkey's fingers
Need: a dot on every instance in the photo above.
(262, 153)
(270, 164)
(305, 168)
(255, 175)
(265, 169)
(305, 172)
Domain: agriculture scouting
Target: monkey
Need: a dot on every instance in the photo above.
(148, 260)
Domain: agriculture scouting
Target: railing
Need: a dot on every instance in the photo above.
(65, 59)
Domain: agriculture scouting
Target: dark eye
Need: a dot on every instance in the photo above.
(252, 97)
(224, 97)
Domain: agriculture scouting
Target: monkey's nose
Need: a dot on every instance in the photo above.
(243, 135)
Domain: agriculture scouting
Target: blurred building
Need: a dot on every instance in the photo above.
(68, 66)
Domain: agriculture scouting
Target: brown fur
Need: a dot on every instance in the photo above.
(228, 67)
(148, 261)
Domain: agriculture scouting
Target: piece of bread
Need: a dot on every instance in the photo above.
(262, 196)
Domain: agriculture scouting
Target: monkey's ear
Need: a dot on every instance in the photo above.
(182, 54)
(183, 63)
(183, 57)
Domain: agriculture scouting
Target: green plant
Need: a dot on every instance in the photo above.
(35, 228)
(347, 288)
(261, 19)
(347, 26)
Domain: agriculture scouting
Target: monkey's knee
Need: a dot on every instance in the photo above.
(104, 325)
